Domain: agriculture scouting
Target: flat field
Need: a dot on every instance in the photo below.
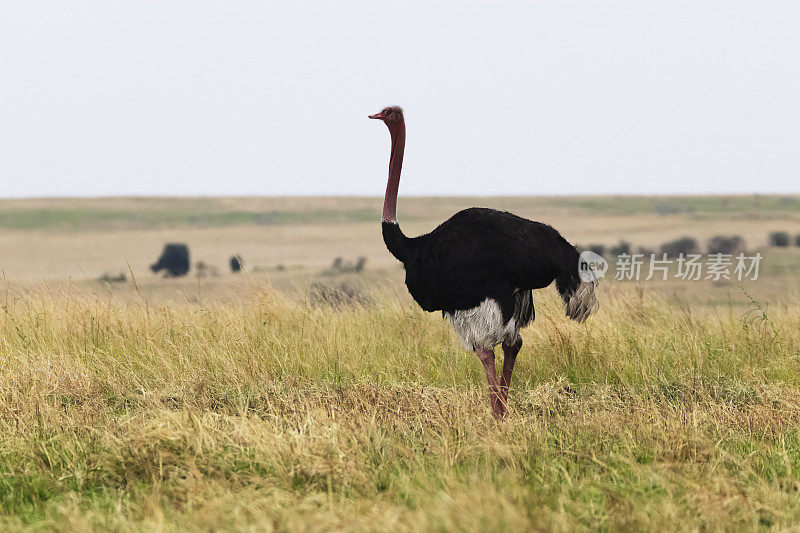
(297, 397)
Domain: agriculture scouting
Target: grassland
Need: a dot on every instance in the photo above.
(146, 213)
(239, 402)
(273, 414)
(82, 239)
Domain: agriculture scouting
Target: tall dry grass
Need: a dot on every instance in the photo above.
(275, 415)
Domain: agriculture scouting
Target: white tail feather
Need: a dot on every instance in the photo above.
(582, 302)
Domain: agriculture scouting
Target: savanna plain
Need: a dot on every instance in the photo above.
(306, 394)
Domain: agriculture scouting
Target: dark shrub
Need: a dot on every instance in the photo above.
(204, 270)
(647, 252)
(779, 239)
(725, 245)
(599, 249)
(340, 266)
(624, 247)
(108, 278)
(797, 240)
(236, 263)
(337, 295)
(684, 245)
(174, 260)
(360, 264)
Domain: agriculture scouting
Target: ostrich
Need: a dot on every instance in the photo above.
(479, 267)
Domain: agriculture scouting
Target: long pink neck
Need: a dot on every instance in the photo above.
(395, 165)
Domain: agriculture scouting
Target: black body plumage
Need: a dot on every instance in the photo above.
(483, 253)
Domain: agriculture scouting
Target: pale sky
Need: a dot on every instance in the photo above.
(501, 98)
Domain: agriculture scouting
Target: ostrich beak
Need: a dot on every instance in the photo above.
(376, 115)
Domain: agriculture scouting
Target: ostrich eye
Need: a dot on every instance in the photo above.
(387, 111)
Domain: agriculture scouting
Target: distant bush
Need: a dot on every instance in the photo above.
(337, 296)
(797, 240)
(721, 244)
(623, 248)
(108, 278)
(204, 270)
(647, 252)
(684, 245)
(340, 266)
(779, 239)
(599, 249)
(174, 260)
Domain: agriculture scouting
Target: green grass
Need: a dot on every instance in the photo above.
(118, 414)
(71, 219)
(754, 206)
(146, 213)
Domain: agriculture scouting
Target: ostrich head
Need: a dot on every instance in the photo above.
(392, 116)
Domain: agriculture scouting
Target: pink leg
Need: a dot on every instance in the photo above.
(510, 352)
(487, 358)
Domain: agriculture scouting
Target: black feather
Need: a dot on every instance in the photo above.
(483, 253)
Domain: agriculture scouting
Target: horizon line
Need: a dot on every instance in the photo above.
(443, 196)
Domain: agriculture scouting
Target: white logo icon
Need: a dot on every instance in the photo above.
(591, 266)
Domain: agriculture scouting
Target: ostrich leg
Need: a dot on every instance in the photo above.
(487, 358)
(510, 352)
